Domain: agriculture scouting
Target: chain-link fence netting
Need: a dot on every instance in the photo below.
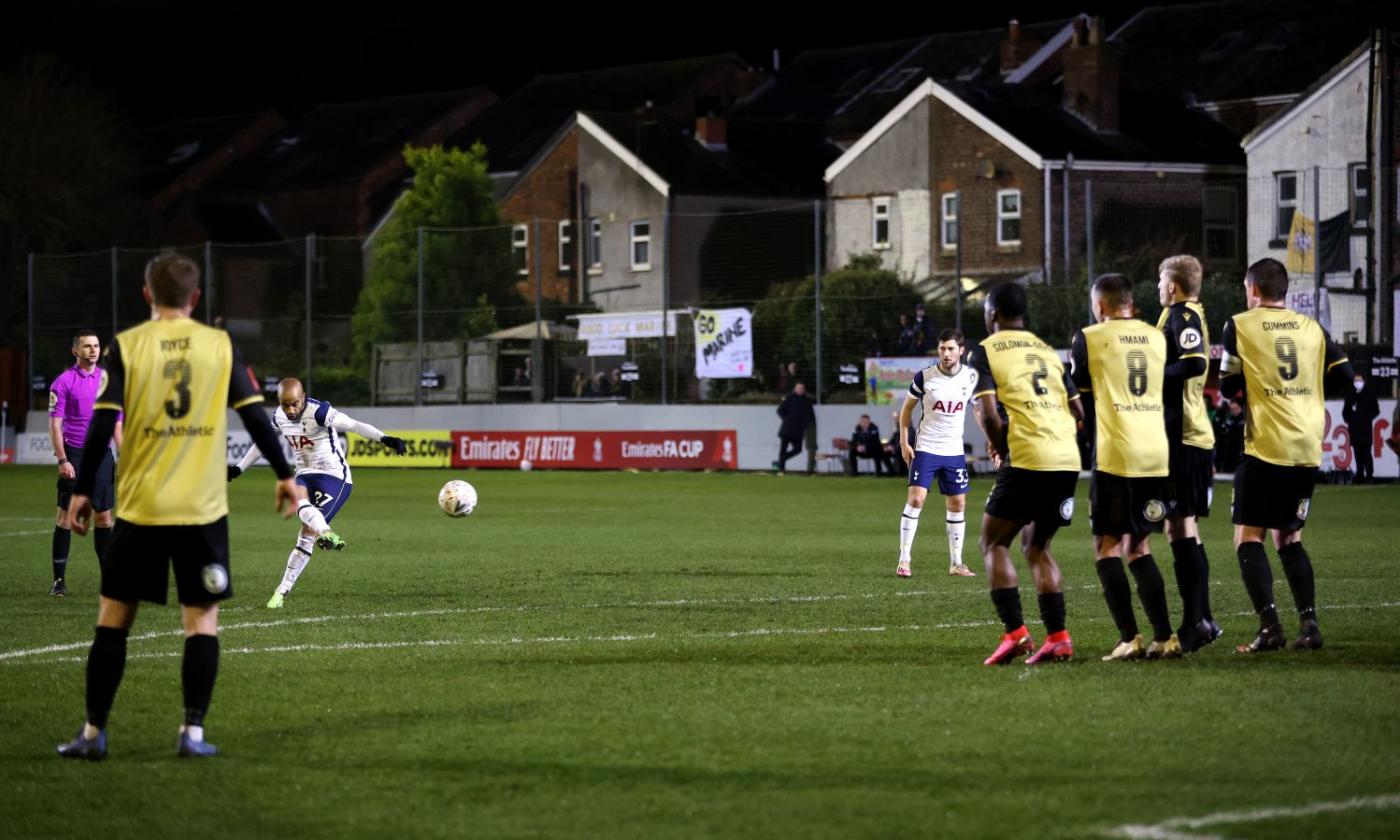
(758, 297)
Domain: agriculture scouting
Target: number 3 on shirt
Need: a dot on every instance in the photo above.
(178, 370)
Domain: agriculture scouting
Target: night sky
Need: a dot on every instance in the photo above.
(161, 61)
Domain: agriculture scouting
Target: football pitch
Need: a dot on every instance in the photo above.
(683, 655)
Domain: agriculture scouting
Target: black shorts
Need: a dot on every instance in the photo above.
(103, 492)
(1119, 506)
(1191, 485)
(139, 557)
(1272, 496)
(1034, 496)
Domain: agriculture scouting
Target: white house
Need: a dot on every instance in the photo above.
(1310, 159)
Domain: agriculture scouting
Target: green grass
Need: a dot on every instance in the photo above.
(686, 655)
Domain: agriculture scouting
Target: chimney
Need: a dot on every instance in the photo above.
(1091, 76)
(1017, 48)
(712, 133)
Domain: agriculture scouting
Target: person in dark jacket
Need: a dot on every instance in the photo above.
(1360, 411)
(865, 443)
(797, 413)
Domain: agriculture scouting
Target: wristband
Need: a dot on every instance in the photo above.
(62, 461)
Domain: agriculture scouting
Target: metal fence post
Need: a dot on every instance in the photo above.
(418, 376)
(817, 290)
(29, 328)
(310, 267)
(209, 283)
(1317, 245)
(1089, 237)
(957, 261)
(665, 298)
(537, 351)
(115, 271)
(1064, 209)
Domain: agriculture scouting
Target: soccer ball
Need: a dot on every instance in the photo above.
(526, 466)
(457, 498)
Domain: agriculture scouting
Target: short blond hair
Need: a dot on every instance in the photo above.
(1185, 271)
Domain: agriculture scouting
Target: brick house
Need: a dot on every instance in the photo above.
(631, 209)
(1004, 167)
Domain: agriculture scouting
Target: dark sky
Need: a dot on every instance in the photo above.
(162, 60)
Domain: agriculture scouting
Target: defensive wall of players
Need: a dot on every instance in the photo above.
(622, 436)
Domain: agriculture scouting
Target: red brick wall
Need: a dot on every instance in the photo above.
(961, 155)
(548, 192)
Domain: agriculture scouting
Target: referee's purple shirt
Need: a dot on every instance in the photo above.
(71, 397)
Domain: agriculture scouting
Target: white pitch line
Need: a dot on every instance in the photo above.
(1168, 829)
(7, 656)
(320, 619)
(23, 533)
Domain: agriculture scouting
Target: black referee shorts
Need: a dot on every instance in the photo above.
(103, 492)
(139, 559)
(1272, 496)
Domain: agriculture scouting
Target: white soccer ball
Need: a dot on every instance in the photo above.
(457, 498)
(525, 465)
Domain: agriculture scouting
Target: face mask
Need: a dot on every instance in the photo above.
(1359, 385)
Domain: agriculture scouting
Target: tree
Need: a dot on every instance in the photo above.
(860, 311)
(467, 269)
(65, 173)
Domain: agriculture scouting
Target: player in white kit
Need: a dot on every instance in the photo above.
(943, 392)
(309, 426)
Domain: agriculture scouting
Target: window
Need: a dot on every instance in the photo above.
(520, 248)
(880, 222)
(595, 244)
(949, 224)
(1008, 217)
(1359, 194)
(1285, 202)
(566, 246)
(1220, 213)
(641, 245)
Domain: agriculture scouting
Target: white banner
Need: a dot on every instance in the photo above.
(723, 343)
(607, 347)
(625, 325)
(1318, 308)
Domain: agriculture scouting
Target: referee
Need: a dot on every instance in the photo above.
(70, 410)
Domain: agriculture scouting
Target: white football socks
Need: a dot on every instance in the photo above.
(296, 562)
(957, 526)
(312, 518)
(908, 525)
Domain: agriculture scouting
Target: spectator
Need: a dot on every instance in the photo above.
(1360, 411)
(892, 448)
(797, 414)
(1229, 443)
(905, 344)
(600, 385)
(580, 385)
(923, 331)
(620, 389)
(865, 443)
(787, 377)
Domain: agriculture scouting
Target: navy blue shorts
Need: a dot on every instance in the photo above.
(328, 493)
(103, 492)
(950, 470)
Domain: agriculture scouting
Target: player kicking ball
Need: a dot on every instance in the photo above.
(943, 392)
(309, 427)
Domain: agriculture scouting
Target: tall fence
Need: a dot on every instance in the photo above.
(494, 314)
